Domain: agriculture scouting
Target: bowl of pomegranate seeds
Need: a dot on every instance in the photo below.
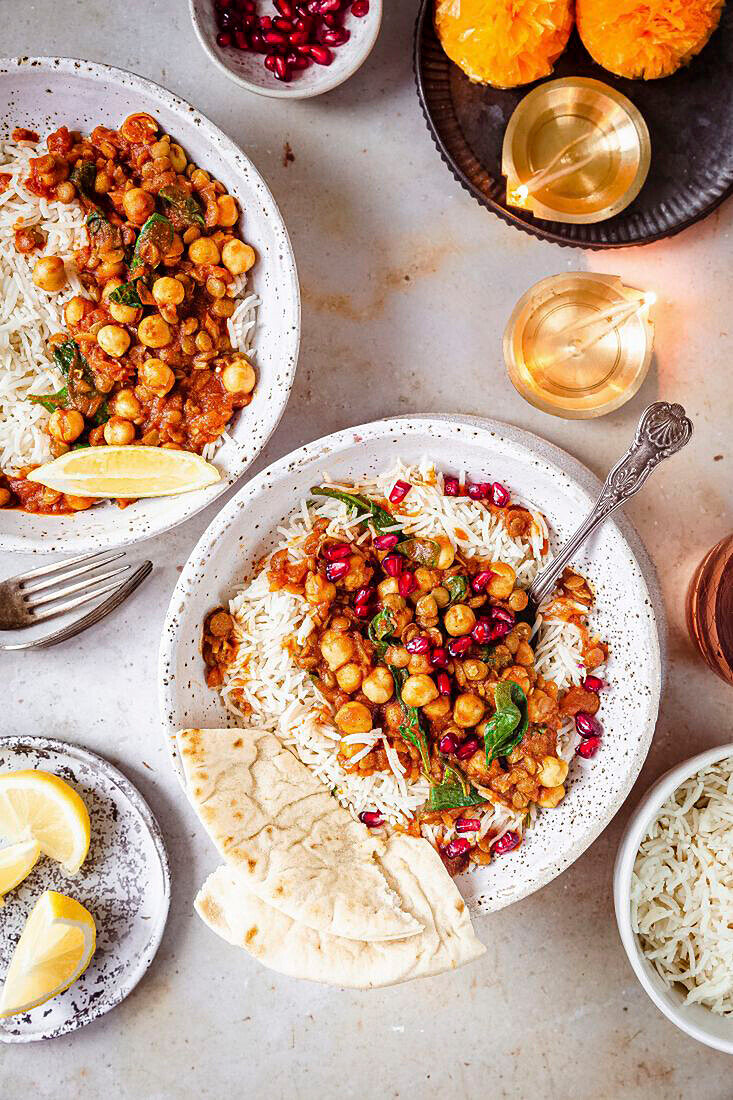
(287, 48)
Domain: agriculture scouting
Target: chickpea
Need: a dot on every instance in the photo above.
(336, 649)
(388, 587)
(354, 718)
(348, 749)
(379, 685)
(475, 670)
(447, 553)
(126, 315)
(65, 425)
(468, 710)
(126, 405)
(427, 609)
(138, 205)
(5, 497)
(168, 291)
(503, 580)
(203, 250)
(349, 678)
(519, 676)
(75, 309)
(237, 257)
(425, 578)
(238, 376)
(157, 376)
(553, 772)
(550, 797)
(459, 620)
(438, 709)
(177, 158)
(394, 715)
(102, 183)
(418, 663)
(518, 600)
(220, 624)
(228, 213)
(318, 589)
(154, 332)
(49, 274)
(114, 340)
(524, 655)
(441, 596)
(118, 432)
(217, 288)
(78, 504)
(398, 656)
(419, 690)
(358, 574)
(65, 192)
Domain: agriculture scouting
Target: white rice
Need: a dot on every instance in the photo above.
(682, 889)
(282, 696)
(29, 316)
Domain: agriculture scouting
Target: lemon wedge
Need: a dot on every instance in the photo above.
(55, 948)
(40, 806)
(126, 473)
(16, 863)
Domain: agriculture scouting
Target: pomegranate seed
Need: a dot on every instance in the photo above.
(586, 724)
(451, 485)
(284, 25)
(337, 552)
(506, 843)
(593, 683)
(467, 749)
(588, 748)
(240, 40)
(223, 39)
(298, 38)
(407, 584)
(499, 630)
(479, 490)
(457, 646)
(247, 6)
(499, 495)
(393, 565)
(257, 43)
(438, 657)
(304, 23)
(443, 682)
(331, 21)
(320, 54)
(325, 6)
(481, 580)
(385, 542)
(270, 62)
(419, 644)
(447, 744)
(363, 611)
(457, 847)
(339, 36)
(371, 819)
(501, 615)
(266, 23)
(481, 633)
(297, 61)
(467, 825)
(364, 595)
(223, 3)
(360, 8)
(285, 7)
(335, 570)
(399, 492)
(275, 38)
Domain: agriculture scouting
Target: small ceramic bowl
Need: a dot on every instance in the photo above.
(247, 69)
(695, 1020)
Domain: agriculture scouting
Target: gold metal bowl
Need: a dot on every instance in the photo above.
(575, 150)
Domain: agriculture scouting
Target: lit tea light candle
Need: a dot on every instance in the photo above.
(575, 150)
(579, 345)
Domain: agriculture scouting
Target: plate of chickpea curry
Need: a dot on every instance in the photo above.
(384, 638)
(150, 308)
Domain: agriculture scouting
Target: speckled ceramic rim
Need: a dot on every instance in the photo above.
(331, 77)
(282, 470)
(246, 443)
(131, 794)
(690, 1019)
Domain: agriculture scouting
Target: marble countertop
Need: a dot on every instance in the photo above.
(407, 284)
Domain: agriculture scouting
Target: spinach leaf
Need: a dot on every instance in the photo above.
(83, 176)
(381, 518)
(506, 728)
(101, 230)
(66, 356)
(127, 294)
(410, 729)
(422, 551)
(153, 240)
(453, 792)
(185, 208)
(380, 628)
(458, 588)
(82, 392)
(51, 401)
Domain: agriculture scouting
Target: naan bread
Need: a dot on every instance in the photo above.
(296, 848)
(447, 941)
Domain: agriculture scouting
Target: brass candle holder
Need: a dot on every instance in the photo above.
(575, 150)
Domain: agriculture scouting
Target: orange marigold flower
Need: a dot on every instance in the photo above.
(646, 38)
(504, 42)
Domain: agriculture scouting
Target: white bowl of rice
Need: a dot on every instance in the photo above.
(42, 94)
(223, 568)
(673, 893)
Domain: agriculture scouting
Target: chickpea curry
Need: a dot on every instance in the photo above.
(429, 645)
(147, 356)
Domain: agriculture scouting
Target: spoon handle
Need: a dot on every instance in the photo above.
(663, 430)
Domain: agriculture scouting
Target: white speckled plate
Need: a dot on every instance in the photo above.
(124, 883)
(488, 450)
(44, 93)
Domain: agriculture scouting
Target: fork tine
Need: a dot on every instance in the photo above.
(70, 589)
(102, 557)
(57, 609)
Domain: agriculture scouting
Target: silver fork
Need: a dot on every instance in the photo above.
(53, 590)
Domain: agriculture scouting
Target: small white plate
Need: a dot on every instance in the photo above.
(247, 69)
(124, 883)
